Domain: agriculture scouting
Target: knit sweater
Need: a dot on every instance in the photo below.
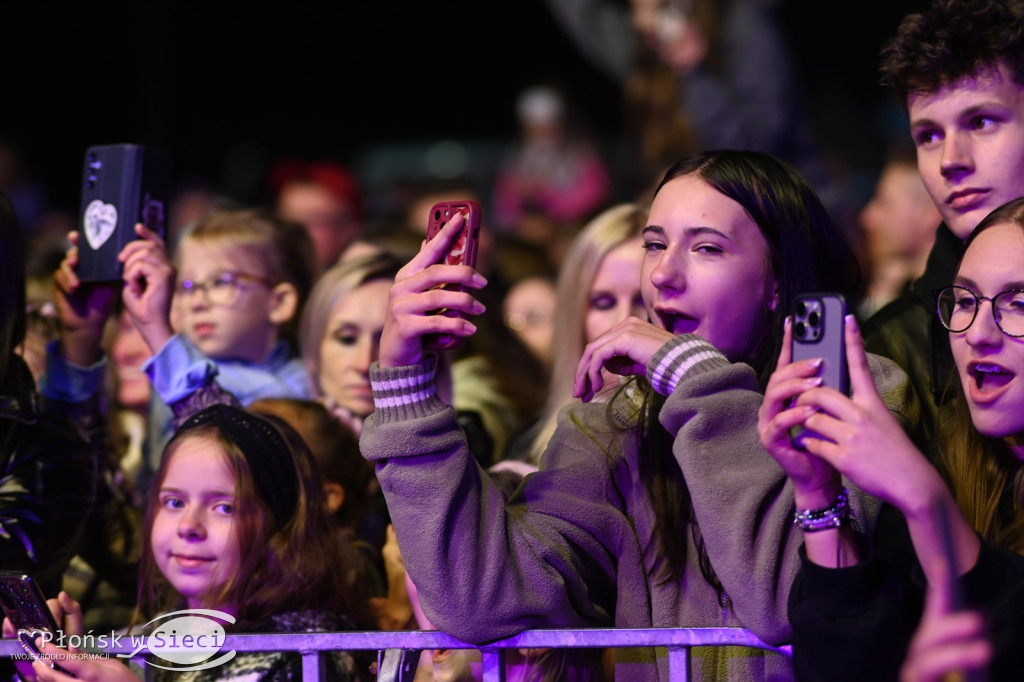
(575, 546)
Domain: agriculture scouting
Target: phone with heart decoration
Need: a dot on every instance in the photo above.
(122, 184)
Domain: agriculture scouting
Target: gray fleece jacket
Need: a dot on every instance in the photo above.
(575, 545)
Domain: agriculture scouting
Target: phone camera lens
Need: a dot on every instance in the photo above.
(801, 308)
(813, 319)
(800, 329)
(437, 215)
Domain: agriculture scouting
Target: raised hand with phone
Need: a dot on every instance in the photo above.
(83, 308)
(859, 438)
(422, 288)
(148, 286)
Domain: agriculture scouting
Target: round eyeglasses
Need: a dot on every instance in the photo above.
(958, 307)
(220, 289)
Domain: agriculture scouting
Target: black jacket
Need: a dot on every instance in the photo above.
(47, 484)
(908, 332)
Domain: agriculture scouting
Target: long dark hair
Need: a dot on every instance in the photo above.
(807, 253)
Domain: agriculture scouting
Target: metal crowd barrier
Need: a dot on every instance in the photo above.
(399, 651)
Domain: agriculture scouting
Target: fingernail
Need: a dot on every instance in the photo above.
(851, 320)
(813, 382)
(478, 307)
(817, 363)
(479, 279)
(787, 323)
(470, 327)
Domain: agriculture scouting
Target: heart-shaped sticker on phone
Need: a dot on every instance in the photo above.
(100, 220)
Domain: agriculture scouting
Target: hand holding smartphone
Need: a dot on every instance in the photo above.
(819, 332)
(25, 607)
(463, 251)
(122, 185)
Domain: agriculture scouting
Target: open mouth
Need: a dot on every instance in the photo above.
(989, 377)
(677, 323)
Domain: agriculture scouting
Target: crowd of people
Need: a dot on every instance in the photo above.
(251, 420)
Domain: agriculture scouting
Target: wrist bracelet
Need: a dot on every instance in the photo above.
(824, 518)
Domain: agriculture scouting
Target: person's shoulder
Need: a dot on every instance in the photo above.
(906, 309)
(885, 370)
(43, 427)
(899, 326)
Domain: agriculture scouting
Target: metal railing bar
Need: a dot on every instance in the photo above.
(679, 663)
(493, 664)
(401, 650)
(432, 639)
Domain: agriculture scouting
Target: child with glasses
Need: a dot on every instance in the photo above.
(856, 602)
(226, 307)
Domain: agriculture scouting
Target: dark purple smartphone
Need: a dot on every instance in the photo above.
(462, 252)
(25, 606)
(819, 332)
(122, 184)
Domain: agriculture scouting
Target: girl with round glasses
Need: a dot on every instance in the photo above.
(857, 601)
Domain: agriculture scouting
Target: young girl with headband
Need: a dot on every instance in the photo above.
(237, 523)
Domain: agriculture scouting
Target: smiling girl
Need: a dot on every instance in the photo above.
(237, 523)
(658, 507)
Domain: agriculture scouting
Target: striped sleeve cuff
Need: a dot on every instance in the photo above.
(683, 354)
(400, 387)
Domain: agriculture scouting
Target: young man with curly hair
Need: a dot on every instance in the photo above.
(957, 67)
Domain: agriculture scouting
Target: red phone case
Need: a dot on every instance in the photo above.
(462, 252)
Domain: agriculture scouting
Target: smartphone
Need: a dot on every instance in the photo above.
(462, 252)
(25, 606)
(122, 184)
(819, 332)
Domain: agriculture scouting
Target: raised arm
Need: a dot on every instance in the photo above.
(867, 445)
(484, 569)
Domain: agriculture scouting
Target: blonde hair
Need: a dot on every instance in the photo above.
(603, 234)
(334, 285)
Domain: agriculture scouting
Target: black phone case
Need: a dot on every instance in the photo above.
(122, 184)
(825, 339)
(24, 604)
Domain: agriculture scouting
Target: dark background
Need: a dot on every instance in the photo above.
(228, 88)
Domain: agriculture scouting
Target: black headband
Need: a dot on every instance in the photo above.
(265, 449)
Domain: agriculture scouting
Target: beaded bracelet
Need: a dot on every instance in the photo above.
(824, 518)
